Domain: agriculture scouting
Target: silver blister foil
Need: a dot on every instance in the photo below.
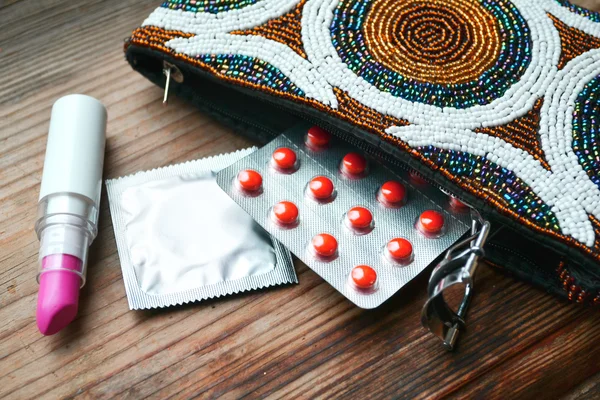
(180, 238)
(316, 218)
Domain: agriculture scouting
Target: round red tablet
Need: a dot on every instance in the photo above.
(392, 192)
(324, 244)
(399, 249)
(359, 217)
(431, 222)
(284, 158)
(321, 187)
(317, 137)
(363, 276)
(285, 212)
(354, 164)
(249, 180)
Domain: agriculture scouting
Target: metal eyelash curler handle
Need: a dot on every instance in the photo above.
(457, 267)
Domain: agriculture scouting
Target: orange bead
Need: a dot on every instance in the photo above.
(431, 221)
(285, 212)
(249, 180)
(321, 187)
(317, 137)
(363, 276)
(324, 244)
(359, 217)
(392, 192)
(399, 249)
(354, 164)
(284, 158)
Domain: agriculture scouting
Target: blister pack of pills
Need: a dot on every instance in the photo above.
(367, 230)
(181, 239)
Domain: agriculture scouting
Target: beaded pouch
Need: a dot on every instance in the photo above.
(495, 101)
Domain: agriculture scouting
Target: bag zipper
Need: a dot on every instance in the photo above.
(575, 292)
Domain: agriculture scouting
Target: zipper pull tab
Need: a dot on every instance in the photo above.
(457, 267)
(170, 70)
(167, 72)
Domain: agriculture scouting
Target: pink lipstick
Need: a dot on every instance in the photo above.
(68, 206)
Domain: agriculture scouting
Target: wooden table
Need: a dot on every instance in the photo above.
(304, 340)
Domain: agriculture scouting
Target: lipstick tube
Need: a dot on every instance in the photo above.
(68, 206)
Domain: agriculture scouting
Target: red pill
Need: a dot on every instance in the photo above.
(354, 164)
(399, 249)
(284, 158)
(431, 222)
(363, 276)
(285, 212)
(250, 180)
(317, 137)
(324, 244)
(321, 187)
(359, 217)
(392, 192)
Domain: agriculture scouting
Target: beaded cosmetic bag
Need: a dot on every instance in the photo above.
(495, 101)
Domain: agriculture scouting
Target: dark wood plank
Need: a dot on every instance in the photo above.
(588, 390)
(304, 340)
(546, 369)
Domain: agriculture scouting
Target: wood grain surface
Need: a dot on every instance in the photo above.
(304, 341)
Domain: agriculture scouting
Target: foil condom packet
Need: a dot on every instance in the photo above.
(181, 239)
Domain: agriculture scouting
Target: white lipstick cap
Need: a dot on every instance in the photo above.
(75, 149)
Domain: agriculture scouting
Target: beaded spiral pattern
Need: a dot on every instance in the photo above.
(499, 96)
(442, 52)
